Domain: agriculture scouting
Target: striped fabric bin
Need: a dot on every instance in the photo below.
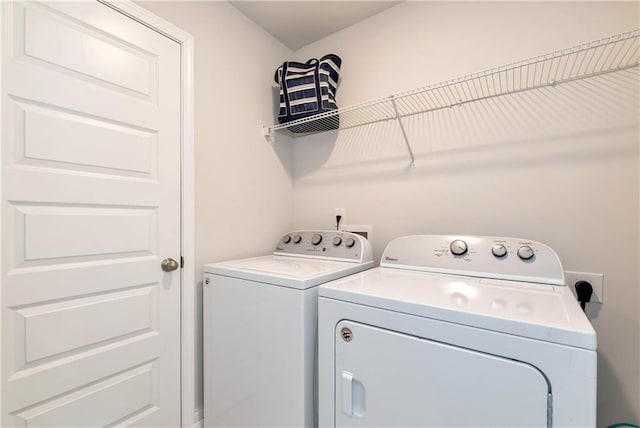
(307, 89)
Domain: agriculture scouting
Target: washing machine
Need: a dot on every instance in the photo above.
(260, 329)
(456, 331)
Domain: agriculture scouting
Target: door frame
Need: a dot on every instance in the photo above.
(187, 200)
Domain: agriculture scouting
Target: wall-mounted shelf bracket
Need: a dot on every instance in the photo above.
(267, 132)
(412, 164)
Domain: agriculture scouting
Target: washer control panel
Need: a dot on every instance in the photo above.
(326, 244)
(480, 256)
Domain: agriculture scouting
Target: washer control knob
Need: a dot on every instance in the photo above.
(499, 250)
(316, 239)
(525, 252)
(337, 241)
(286, 239)
(349, 242)
(458, 247)
(297, 239)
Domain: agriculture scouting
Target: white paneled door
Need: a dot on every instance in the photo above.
(90, 208)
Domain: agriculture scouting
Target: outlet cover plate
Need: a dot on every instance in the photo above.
(595, 279)
(365, 230)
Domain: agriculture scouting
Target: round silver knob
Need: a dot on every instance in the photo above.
(297, 239)
(499, 250)
(316, 239)
(169, 265)
(458, 247)
(349, 242)
(337, 241)
(286, 239)
(525, 252)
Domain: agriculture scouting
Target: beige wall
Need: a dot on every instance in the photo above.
(559, 165)
(243, 183)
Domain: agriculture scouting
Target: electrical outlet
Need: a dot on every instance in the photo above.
(341, 212)
(595, 279)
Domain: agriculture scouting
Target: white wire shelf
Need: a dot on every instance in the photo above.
(607, 55)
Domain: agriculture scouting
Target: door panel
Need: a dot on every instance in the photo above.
(90, 207)
(104, 57)
(53, 138)
(51, 233)
(383, 378)
(43, 338)
(96, 404)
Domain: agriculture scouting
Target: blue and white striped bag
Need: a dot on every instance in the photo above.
(307, 89)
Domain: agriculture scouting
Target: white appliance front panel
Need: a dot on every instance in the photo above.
(570, 371)
(259, 349)
(388, 379)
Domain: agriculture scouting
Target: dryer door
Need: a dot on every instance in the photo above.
(385, 379)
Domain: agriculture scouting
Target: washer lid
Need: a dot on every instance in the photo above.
(539, 311)
(294, 272)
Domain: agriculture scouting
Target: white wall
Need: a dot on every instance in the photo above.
(243, 183)
(559, 165)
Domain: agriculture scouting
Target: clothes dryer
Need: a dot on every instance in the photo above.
(260, 329)
(456, 332)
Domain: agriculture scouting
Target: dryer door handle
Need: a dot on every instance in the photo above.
(353, 396)
(347, 393)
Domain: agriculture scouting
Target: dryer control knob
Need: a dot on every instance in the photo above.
(499, 250)
(297, 239)
(286, 239)
(337, 241)
(316, 239)
(525, 252)
(349, 242)
(458, 247)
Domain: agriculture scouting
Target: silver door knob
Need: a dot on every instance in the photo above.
(169, 265)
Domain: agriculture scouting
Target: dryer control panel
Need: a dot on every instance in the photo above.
(480, 256)
(325, 244)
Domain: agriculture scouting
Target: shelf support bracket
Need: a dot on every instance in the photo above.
(404, 132)
(267, 132)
